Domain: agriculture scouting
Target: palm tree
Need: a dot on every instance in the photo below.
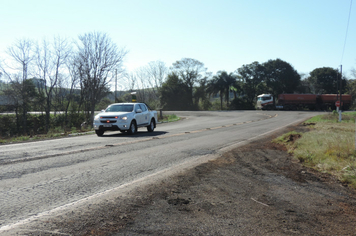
(221, 84)
(229, 80)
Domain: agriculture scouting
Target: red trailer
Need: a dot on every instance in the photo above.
(312, 101)
(328, 101)
(303, 101)
(298, 101)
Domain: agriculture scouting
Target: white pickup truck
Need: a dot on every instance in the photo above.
(125, 117)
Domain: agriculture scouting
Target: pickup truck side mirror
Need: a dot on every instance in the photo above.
(102, 110)
(138, 111)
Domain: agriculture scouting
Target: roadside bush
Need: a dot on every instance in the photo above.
(73, 120)
(216, 105)
(241, 104)
(8, 125)
(34, 124)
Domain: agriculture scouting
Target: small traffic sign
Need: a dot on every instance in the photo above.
(337, 103)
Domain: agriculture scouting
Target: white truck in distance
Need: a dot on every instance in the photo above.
(125, 117)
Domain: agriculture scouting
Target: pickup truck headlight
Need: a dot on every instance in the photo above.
(96, 118)
(123, 118)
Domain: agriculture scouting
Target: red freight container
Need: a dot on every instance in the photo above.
(332, 98)
(297, 99)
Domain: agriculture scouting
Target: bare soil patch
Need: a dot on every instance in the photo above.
(257, 189)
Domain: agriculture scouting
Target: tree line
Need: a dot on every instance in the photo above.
(188, 85)
(77, 77)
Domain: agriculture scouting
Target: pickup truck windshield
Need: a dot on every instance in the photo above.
(118, 108)
(264, 98)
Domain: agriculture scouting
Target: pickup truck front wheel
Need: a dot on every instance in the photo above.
(151, 127)
(99, 132)
(133, 128)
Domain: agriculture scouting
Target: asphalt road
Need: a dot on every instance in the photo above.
(38, 177)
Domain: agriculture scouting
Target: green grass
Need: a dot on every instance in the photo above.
(169, 118)
(333, 117)
(328, 147)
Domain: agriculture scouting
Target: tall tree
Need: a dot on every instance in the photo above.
(190, 71)
(201, 97)
(97, 59)
(281, 77)
(325, 80)
(217, 86)
(252, 78)
(351, 86)
(174, 93)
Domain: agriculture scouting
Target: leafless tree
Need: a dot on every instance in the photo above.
(97, 59)
(72, 82)
(147, 80)
(51, 60)
(157, 72)
(16, 70)
(142, 84)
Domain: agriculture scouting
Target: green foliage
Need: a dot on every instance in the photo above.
(325, 80)
(221, 84)
(351, 89)
(242, 103)
(205, 105)
(8, 126)
(252, 77)
(103, 104)
(190, 72)
(281, 77)
(175, 94)
(216, 106)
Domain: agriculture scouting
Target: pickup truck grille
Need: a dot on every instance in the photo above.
(106, 121)
(108, 117)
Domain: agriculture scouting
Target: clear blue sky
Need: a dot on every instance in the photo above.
(223, 34)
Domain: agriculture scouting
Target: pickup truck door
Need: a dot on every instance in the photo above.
(145, 114)
(138, 116)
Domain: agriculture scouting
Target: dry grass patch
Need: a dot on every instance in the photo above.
(328, 147)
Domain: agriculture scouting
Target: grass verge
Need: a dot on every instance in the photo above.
(60, 132)
(169, 118)
(53, 133)
(328, 147)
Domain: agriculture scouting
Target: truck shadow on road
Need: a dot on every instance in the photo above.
(139, 134)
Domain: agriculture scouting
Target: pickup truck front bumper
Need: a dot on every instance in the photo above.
(109, 124)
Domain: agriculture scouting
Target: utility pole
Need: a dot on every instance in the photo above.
(115, 84)
(340, 116)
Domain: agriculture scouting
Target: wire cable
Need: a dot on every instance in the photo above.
(347, 30)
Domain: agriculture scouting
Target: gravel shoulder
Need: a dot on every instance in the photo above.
(256, 189)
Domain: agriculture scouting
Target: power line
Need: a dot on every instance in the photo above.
(347, 30)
